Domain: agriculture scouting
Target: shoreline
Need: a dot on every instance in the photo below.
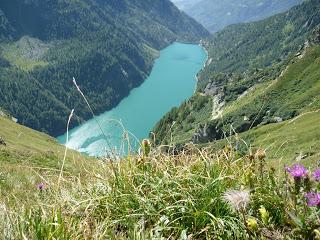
(204, 65)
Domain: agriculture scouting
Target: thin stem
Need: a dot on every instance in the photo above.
(66, 148)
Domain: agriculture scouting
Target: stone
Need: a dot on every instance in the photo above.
(278, 119)
(2, 142)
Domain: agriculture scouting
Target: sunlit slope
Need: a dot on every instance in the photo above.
(27, 153)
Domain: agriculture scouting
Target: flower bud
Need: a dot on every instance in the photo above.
(252, 224)
(264, 214)
(146, 147)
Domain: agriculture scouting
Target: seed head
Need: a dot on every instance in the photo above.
(260, 154)
(238, 200)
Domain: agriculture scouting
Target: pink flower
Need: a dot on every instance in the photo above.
(313, 199)
(316, 175)
(297, 171)
(41, 186)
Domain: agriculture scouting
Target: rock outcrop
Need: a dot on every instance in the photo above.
(2, 142)
(315, 36)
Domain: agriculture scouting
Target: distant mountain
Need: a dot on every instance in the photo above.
(185, 4)
(108, 46)
(217, 14)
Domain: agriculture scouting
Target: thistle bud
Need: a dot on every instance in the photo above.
(252, 224)
(260, 154)
(146, 147)
(264, 214)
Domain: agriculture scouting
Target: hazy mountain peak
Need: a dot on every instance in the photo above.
(217, 14)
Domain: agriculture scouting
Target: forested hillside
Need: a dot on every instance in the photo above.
(215, 14)
(256, 74)
(108, 46)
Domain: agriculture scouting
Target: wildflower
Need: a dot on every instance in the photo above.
(238, 200)
(316, 175)
(313, 199)
(264, 214)
(297, 171)
(41, 186)
(252, 224)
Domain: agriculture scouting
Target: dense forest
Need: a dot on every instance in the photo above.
(108, 46)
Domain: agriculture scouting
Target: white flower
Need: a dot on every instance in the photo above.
(238, 200)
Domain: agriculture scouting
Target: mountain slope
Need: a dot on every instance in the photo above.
(242, 87)
(263, 43)
(215, 15)
(108, 46)
(30, 157)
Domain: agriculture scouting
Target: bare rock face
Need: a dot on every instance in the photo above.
(208, 132)
(2, 142)
(211, 89)
(201, 135)
(315, 36)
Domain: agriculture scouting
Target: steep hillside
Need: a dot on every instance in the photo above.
(296, 139)
(28, 157)
(108, 46)
(242, 87)
(215, 14)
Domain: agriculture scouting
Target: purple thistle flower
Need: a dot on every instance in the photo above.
(313, 199)
(297, 171)
(41, 186)
(316, 175)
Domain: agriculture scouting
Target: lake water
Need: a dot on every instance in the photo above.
(172, 80)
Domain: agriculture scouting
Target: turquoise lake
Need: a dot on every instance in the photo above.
(171, 81)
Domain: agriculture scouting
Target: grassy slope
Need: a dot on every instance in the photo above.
(295, 92)
(15, 53)
(286, 142)
(297, 89)
(29, 155)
